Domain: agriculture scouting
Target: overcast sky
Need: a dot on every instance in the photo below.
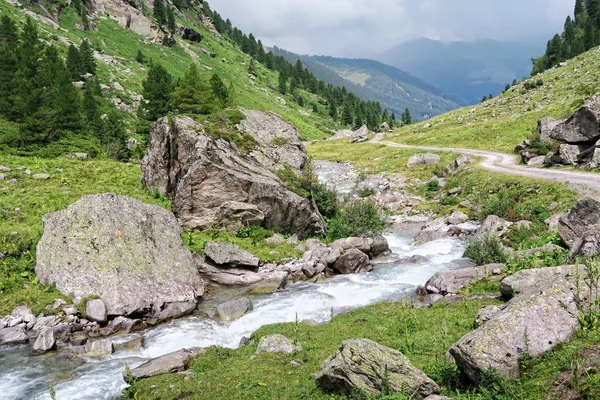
(355, 28)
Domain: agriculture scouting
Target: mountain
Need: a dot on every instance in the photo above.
(396, 90)
(470, 70)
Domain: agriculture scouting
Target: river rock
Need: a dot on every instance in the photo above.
(270, 283)
(224, 253)
(423, 159)
(360, 135)
(79, 338)
(277, 344)
(434, 230)
(529, 280)
(45, 341)
(212, 181)
(577, 222)
(365, 366)
(457, 218)
(12, 336)
(493, 225)
(452, 281)
(582, 127)
(131, 342)
(95, 310)
(177, 361)
(372, 246)
(531, 323)
(233, 310)
(353, 261)
(123, 325)
(128, 253)
(102, 347)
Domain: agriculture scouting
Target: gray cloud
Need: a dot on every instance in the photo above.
(355, 28)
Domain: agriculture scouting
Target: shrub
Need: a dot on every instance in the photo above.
(486, 250)
(362, 217)
(295, 183)
(365, 191)
(449, 201)
(257, 233)
(432, 186)
(326, 199)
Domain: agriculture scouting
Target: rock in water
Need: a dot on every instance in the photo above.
(353, 261)
(11, 336)
(167, 364)
(45, 341)
(225, 253)
(366, 366)
(211, 180)
(532, 323)
(128, 253)
(233, 310)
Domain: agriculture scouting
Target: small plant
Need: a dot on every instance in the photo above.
(432, 186)
(52, 392)
(588, 296)
(326, 199)
(486, 250)
(362, 217)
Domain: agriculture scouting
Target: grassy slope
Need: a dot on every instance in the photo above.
(123, 44)
(502, 123)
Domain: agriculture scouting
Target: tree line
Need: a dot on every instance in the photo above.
(37, 92)
(342, 105)
(580, 34)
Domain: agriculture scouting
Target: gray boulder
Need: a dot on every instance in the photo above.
(532, 323)
(577, 222)
(582, 127)
(493, 225)
(270, 283)
(277, 344)
(529, 280)
(423, 159)
(360, 135)
(569, 154)
(459, 162)
(171, 311)
(211, 180)
(343, 134)
(224, 253)
(535, 161)
(12, 336)
(45, 341)
(485, 314)
(95, 310)
(365, 366)
(457, 218)
(275, 240)
(452, 281)
(98, 348)
(546, 126)
(588, 245)
(168, 364)
(128, 253)
(372, 246)
(123, 325)
(353, 261)
(233, 310)
(226, 276)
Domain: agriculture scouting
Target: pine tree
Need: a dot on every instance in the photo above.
(282, 83)
(9, 34)
(157, 92)
(86, 56)
(114, 137)
(193, 94)
(300, 100)
(347, 117)
(315, 108)
(159, 12)
(9, 42)
(219, 90)
(333, 110)
(252, 67)
(27, 90)
(579, 9)
(74, 63)
(293, 84)
(406, 117)
(140, 58)
(231, 95)
(170, 20)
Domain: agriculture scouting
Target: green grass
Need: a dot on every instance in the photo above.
(23, 205)
(375, 158)
(502, 123)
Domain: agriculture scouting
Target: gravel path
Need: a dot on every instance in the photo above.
(587, 183)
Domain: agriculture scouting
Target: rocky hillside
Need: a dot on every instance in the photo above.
(503, 122)
(395, 89)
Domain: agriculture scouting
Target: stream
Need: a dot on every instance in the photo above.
(25, 376)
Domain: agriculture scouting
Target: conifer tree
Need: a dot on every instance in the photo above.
(159, 12)
(86, 57)
(114, 137)
(74, 63)
(157, 92)
(282, 83)
(9, 42)
(140, 58)
(406, 117)
(252, 67)
(231, 95)
(315, 108)
(170, 20)
(347, 117)
(333, 110)
(219, 90)
(193, 94)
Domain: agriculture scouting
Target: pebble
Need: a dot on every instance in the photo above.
(41, 176)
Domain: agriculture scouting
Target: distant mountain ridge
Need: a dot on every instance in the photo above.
(469, 70)
(396, 90)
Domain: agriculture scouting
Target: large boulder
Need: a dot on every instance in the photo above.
(233, 310)
(95, 310)
(577, 222)
(529, 280)
(12, 336)
(569, 154)
(362, 365)
(225, 253)
(45, 341)
(423, 159)
(360, 135)
(343, 134)
(353, 261)
(532, 323)
(582, 127)
(452, 281)
(213, 181)
(546, 126)
(177, 361)
(373, 246)
(588, 245)
(277, 344)
(459, 162)
(128, 253)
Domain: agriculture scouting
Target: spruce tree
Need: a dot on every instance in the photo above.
(9, 34)
(219, 90)
(140, 58)
(157, 92)
(252, 67)
(170, 20)
(406, 117)
(74, 63)
(315, 108)
(347, 117)
(231, 95)
(159, 12)
(114, 137)
(86, 57)
(282, 83)
(9, 42)
(579, 9)
(193, 94)
(333, 110)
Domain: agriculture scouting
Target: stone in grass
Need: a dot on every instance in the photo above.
(277, 344)
(362, 365)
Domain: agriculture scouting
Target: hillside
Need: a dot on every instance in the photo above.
(500, 124)
(396, 90)
(469, 70)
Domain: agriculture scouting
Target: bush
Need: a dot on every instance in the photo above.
(365, 191)
(359, 218)
(432, 186)
(326, 199)
(486, 250)
(449, 201)
(257, 233)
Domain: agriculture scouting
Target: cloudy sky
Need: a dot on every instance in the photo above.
(354, 28)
